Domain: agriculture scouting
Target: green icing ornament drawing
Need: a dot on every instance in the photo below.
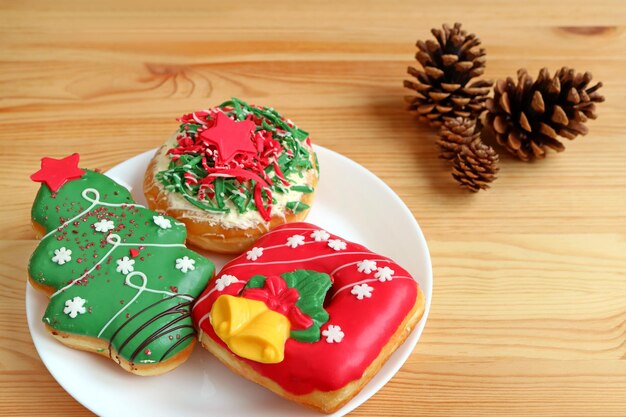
(120, 279)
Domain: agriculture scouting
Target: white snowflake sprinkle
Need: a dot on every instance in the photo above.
(162, 222)
(366, 266)
(104, 225)
(62, 255)
(185, 264)
(295, 241)
(320, 235)
(224, 281)
(362, 291)
(125, 265)
(74, 307)
(254, 254)
(333, 334)
(337, 244)
(384, 274)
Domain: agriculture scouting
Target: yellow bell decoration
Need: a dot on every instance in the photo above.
(250, 329)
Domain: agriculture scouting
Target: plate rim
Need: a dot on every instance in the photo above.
(412, 339)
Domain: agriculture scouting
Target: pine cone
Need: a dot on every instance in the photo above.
(528, 117)
(456, 132)
(449, 64)
(475, 166)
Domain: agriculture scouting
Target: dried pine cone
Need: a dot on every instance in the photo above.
(456, 132)
(442, 86)
(475, 166)
(528, 117)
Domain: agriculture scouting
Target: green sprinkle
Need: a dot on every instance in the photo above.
(219, 191)
(306, 189)
(205, 206)
(296, 206)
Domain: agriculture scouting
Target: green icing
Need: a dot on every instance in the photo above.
(312, 287)
(295, 159)
(144, 322)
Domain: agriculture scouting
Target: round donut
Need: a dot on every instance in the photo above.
(232, 173)
(372, 305)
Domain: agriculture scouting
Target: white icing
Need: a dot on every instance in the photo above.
(125, 265)
(74, 307)
(384, 274)
(337, 244)
(320, 235)
(224, 281)
(254, 254)
(333, 334)
(104, 225)
(185, 264)
(162, 222)
(362, 291)
(366, 266)
(62, 255)
(233, 219)
(295, 241)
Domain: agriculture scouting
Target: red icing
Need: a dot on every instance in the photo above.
(134, 253)
(56, 172)
(368, 324)
(278, 297)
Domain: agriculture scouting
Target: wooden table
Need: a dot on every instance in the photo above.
(529, 306)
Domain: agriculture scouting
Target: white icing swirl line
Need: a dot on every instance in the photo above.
(354, 263)
(140, 290)
(205, 296)
(94, 202)
(109, 240)
(365, 281)
(113, 239)
(295, 260)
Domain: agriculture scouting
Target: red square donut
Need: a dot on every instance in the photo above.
(373, 304)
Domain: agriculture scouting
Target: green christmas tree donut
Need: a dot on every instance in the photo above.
(120, 279)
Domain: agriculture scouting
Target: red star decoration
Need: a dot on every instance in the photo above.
(56, 172)
(230, 137)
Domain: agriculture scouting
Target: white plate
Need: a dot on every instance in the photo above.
(351, 202)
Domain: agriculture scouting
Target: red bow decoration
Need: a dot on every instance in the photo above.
(282, 299)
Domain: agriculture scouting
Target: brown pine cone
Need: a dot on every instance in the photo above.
(475, 166)
(456, 132)
(443, 85)
(528, 117)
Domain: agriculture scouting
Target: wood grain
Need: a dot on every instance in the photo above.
(529, 310)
